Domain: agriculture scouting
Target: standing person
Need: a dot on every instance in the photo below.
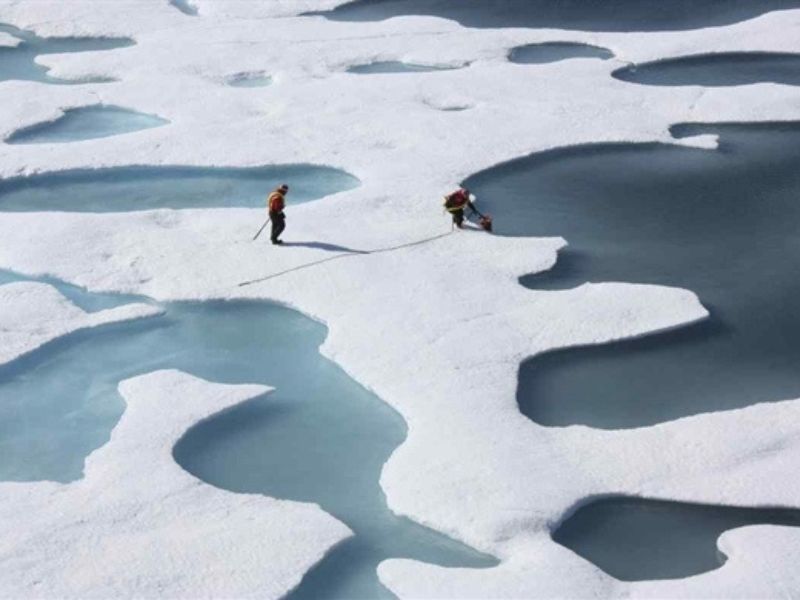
(455, 204)
(275, 204)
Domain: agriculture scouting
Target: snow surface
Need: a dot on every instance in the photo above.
(32, 314)
(139, 525)
(436, 329)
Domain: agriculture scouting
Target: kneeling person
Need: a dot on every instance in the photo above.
(455, 204)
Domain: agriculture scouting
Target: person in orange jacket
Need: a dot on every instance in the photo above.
(276, 203)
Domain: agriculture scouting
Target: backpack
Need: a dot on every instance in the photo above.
(454, 200)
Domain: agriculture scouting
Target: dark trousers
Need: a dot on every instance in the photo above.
(278, 220)
(458, 217)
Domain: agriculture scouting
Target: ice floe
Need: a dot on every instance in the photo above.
(435, 323)
(8, 41)
(139, 525)
(32, 314)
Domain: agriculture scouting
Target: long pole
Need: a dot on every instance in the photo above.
(260, 230)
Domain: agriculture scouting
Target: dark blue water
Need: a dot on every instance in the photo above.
(85, 124)
(319, 438)
(587, 15)
(393, 66)
(535, 54)
(725, 69)
(724, 224)
(121, 189)
(636, 539)
(19, 62)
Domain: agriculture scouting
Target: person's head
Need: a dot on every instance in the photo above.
(283, 189)
(465, 191)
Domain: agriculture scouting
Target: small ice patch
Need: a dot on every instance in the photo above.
(8, 41)
(33, 314)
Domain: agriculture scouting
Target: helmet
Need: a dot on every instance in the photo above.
(284, 188)
(465, 191)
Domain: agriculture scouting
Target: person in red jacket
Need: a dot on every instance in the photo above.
(276, 203)
(455, 204)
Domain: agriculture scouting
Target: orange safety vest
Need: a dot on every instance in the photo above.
(275, 202)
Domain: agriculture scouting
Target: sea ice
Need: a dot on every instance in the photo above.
(33, 314)
(434, 323)
(8, 41)
(139, 525)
